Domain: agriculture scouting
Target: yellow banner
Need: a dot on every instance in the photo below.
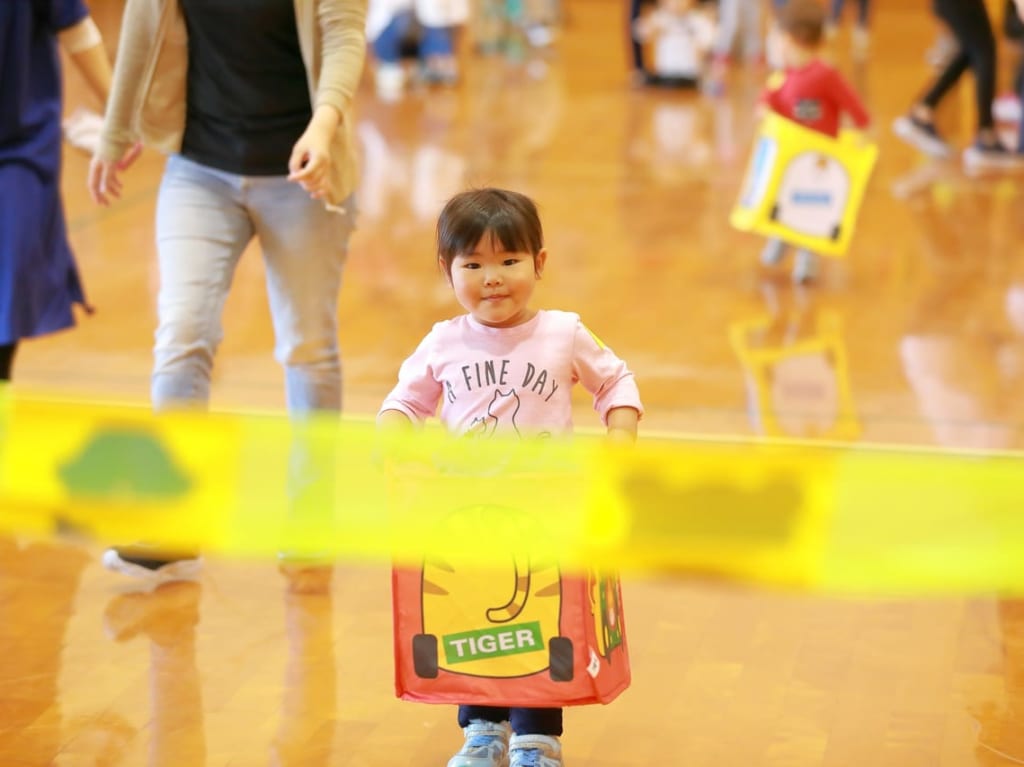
(813, 517)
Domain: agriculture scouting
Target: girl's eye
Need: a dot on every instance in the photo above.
(471, 265)
(511, 261)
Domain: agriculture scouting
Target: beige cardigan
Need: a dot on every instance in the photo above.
(147, 98)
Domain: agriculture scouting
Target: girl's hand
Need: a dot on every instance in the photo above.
(310, 161)
(103, 181)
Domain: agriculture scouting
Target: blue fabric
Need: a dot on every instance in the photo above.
(39, 281)
(387, 48)
(437, 41)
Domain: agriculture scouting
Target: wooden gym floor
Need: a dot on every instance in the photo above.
(917, 338)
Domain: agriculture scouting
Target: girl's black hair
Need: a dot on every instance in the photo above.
(510, 218)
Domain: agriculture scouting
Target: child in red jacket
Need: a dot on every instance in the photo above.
(810, 92)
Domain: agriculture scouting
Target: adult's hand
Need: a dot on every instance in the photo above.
(310, 161)
(103, 180)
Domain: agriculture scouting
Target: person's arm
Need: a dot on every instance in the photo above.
(342, 26)
(310, 161)
(394, 421)
(84, 46)
(770, 98)
(416, 394)
(602, 373)
(622, 424)
(119, 145)
(849, 101)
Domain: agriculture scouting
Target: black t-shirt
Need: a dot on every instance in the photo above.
(248, 97)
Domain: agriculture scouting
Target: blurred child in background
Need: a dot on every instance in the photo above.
(681, 35)
(429, 27)
(812, 93)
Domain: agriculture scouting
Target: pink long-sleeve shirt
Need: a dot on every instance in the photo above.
(510, 380)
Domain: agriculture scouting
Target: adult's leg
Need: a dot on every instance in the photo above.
(201, 230)
(948, 77)
(304, 248)
(970, 23)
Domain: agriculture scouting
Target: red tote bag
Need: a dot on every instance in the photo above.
(525, 635)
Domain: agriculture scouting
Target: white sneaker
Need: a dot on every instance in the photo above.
(151, 566)
(1007, 108)
(390, 81)
(535, 751)
(978, 159)
(486, 745)
(921, 136)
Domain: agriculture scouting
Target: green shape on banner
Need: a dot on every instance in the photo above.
(120, 464)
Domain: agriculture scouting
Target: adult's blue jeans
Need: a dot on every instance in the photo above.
(205, 220)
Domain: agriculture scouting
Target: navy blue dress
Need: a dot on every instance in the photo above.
(39, 281)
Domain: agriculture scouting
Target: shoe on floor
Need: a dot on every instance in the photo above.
(535, 751)
(1007, 108)
(151, 565)
(486, 745)
(979, 158)
(922, 136)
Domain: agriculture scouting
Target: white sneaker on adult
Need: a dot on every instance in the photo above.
(921, 136)
(150, 565)
(1007, 108)
(980, 159)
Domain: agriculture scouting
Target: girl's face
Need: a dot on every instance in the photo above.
(495, 286)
